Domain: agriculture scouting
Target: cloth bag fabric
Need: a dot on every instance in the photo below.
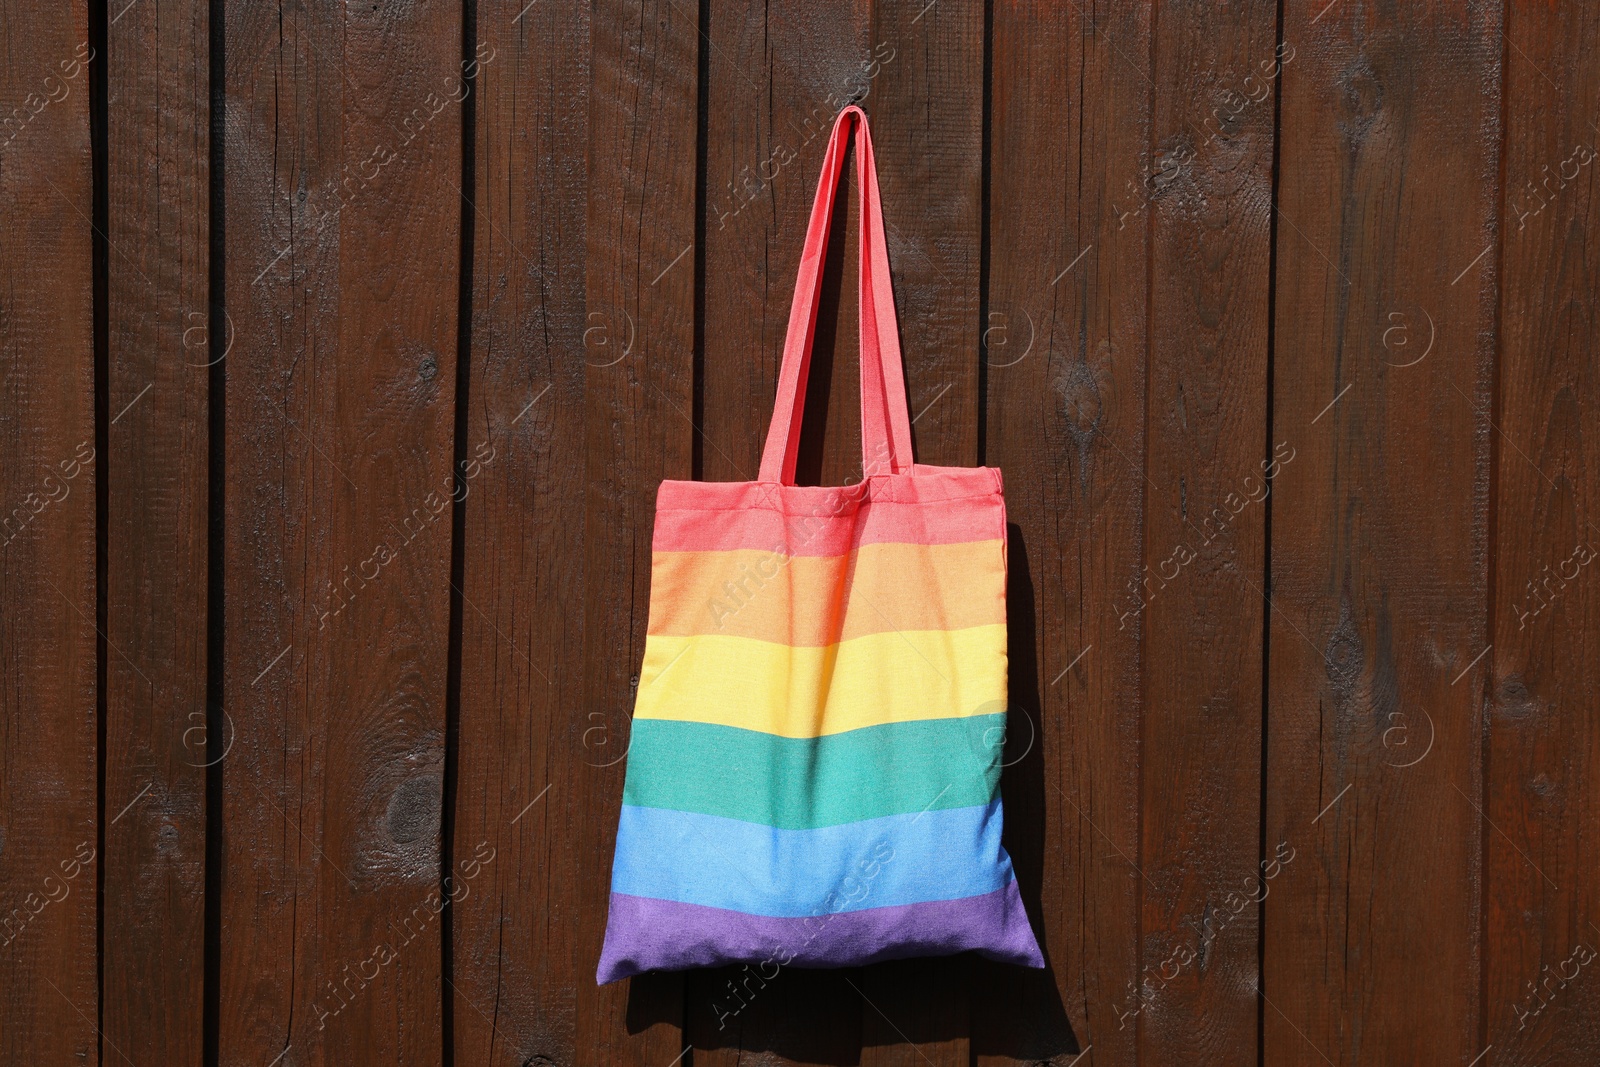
(813, 777)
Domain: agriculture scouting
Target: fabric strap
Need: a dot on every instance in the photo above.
(885, 420)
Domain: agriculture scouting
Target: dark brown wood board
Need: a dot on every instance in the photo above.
(1543, 753)
(50, 799)
(343, 152)
(159, 370)
(639, 429)
(1064, 354)
(1200, 592)
(525, 742)
(1385, 306)
(926, 104)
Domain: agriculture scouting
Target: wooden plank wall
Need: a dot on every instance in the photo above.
(342, 348)
(53, 422)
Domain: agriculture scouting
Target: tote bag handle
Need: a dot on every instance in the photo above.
(885, 420)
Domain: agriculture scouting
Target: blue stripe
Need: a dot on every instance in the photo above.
(761, 870)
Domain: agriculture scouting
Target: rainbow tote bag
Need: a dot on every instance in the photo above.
(813, 777)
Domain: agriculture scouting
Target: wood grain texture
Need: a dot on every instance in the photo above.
(1065, 341)
(1386, 305)
(1201, 593)
(774, 83)
(343, 153)
(927, 111)
(1542, 924)
(522, 723)
(639, 429)
(49, 840)
(159, 357)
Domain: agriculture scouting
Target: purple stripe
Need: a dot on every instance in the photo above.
(645, 934)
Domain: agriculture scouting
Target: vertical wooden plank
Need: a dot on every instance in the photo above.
(1064, 350)
(1544, 751)
(640, 273)
(523, 727)
(775, 80)
(926, 109)
(156, 553)
(49, 842)
(341, 285)
(1201, 590)
(1384, 332)
(927, 121)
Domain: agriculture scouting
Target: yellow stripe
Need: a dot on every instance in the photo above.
(820, 600)
(900, 676)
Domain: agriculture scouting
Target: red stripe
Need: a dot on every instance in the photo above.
(936, 506)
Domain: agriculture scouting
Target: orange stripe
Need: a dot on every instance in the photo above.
(811, 601)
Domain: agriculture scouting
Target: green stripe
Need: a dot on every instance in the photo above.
(801, 783)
